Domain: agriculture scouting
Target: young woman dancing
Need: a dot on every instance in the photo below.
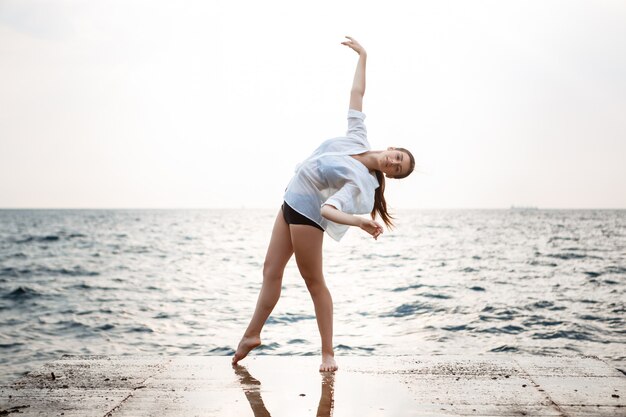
(343, 177)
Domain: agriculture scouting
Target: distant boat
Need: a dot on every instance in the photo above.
(524, 208)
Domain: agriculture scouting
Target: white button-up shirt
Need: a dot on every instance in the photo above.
(331, 176)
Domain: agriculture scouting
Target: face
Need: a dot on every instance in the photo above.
(393, 162)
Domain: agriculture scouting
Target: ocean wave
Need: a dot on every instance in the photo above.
(610, 320)
(85, 286)
(436, 295)
(536, 262)
(9, 272)
(410, 309)
(567, 255)
(141, 329)
(538, 320)
(222, 351)
(498, 314)
(289, 318)
(555, 238)
(544, 304)
(410, 287)
(615, 269)
(269, 347)
(380, 255)
(509, 329)
(457, 328)
(38, 271)
(22, 293)
(297, 341)
(71, 325)
(347, 348)
(46, 238)
(10, 345)
(505, 348)
(564, 334)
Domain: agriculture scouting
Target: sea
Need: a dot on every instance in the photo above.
(185, 282)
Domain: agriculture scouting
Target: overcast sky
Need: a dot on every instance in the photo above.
(213, 103)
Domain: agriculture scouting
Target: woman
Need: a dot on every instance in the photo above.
(341, 178)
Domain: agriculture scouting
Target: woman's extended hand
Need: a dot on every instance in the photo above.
(356, 46)
(371, 227)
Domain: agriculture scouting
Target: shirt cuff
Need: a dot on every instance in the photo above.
(355, 113)
(333, 202)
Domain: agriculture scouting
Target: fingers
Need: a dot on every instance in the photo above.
(349, 42)
(373, 232)
(354, 45)
(372, 228)
(378, 230)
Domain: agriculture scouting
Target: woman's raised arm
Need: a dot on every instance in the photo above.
(358, 85)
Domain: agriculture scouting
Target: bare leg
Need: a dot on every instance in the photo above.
(307, 245)
(278, 254)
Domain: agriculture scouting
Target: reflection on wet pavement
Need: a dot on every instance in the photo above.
(252, 388)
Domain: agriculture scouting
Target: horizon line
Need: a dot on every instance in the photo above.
(511, 208)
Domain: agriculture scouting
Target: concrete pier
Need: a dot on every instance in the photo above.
(485, 385)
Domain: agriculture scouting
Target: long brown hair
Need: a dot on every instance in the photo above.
(380, 205)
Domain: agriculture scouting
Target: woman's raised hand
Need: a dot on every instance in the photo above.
(356, 46)
(371, 227)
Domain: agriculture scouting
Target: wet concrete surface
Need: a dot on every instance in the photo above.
(395, 386)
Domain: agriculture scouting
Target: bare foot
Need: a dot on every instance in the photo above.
(245, 346)
(328, 363)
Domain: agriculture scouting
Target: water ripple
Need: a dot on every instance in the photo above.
(186, 281)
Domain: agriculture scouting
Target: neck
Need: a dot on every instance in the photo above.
(369, 159)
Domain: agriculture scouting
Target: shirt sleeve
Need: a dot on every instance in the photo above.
(356, 125)
(344, 199)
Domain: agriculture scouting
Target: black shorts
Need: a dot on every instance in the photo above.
(293, 217)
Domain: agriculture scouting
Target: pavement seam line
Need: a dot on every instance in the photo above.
(537, 386)
(160, 368)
